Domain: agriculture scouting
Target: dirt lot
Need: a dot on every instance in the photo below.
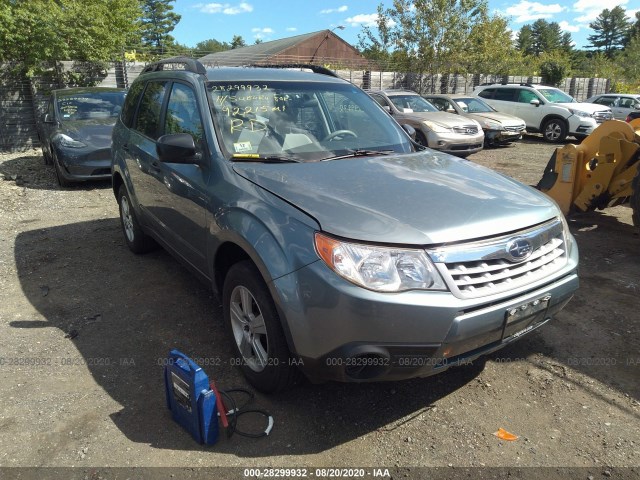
(571, 391)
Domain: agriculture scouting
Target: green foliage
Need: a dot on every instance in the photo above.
(38, 31)
(610, 29)
(490, 48)
(237, 41)
(543, 36)
(210, 46)
(552, 73)
(630, 58)
(157, 22)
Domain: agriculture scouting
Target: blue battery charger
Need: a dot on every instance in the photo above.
(190, 398)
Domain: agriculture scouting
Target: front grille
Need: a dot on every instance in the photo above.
(518, 129)
(466, 129)
(602, 116)
(484, 268)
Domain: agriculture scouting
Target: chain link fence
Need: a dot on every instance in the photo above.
(23, 98)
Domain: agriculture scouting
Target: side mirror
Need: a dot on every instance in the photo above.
(177, 148)
(410, 130)
(637, 106)
(387, 108)
(48, 118)
(451, 110)
(535, 102)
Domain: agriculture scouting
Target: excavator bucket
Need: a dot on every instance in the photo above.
(597, 173)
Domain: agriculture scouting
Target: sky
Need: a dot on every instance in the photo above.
(274, 19)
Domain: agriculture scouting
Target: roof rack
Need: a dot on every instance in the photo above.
(190, 65)
(313, 68)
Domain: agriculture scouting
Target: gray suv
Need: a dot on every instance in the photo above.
(339, 247)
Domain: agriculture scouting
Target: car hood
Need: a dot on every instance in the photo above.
(415, 199)
(503, 118)
(585, 107)
(444, 119)
(95, 132)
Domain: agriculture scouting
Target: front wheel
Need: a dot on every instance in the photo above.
(421, 139)
(254, 325)
(63, 182)
(554, 130)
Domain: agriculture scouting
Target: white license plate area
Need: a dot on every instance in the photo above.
(522, 318)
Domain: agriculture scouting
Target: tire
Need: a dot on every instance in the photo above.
(635, 197)
(137, 241)
(421, 139)
(63, 182)
(260, 347)
(554, 130)
(47, 157)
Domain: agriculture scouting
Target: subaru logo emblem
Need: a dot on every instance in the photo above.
(519, 249)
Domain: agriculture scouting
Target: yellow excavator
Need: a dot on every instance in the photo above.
(603, 171)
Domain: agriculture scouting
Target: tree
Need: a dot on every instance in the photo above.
(157, 22)
(210, 46)
(433, 34)
(491, 48)
(237, 41)
(43, 30)
(610, 29)
(634, 29)
(630, 58)
(543, 36)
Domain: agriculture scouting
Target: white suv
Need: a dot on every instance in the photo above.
(545, 109)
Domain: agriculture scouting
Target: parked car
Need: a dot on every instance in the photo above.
(545, 109)
(499, 128)
(632, 116)
(621, 104)
(434, 129)
(75, 132)
(338, 247)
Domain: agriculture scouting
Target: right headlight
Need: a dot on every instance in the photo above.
(436, 127)
(383, 269)
(66, 141)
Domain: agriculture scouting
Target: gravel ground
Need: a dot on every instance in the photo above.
(85, 325)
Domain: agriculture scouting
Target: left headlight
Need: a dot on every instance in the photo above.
(383, 269)
(490, 125)
(567, 234)
(66, 141)
(580, 113)
(436, 127)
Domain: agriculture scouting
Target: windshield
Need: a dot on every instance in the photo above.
(554, 95)
(412, 103)
(90, 105)
(473, 105)
(299, 121)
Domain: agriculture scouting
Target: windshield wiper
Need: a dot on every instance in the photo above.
(252, 157)
(360, 153)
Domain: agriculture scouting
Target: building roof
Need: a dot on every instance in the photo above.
(306, 45)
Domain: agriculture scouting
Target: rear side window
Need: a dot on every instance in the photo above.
(487, 93)
(148, 118)
(130, 103)
(506, 94)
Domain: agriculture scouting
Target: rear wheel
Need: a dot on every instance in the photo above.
(137, 240)
(254, 326)
(635, 197)
(554, 130)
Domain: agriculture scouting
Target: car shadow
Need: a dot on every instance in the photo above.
(29, 171)
(123, 313)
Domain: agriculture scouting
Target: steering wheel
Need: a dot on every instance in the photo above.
(339, 133)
